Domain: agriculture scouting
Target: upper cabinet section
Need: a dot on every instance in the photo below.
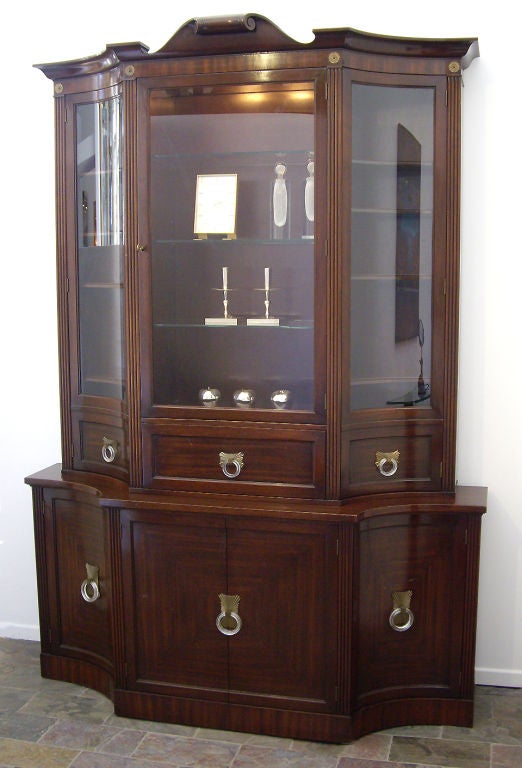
(258, 252)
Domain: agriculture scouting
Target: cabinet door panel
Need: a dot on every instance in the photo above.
(75, 536)
(286, 577)
(174, 572)
(426, 555)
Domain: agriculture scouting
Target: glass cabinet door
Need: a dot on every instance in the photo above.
(391, 246)
(99, 207)
(231, 219)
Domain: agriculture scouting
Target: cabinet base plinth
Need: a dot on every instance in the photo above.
(79, 672)
(406, 712)
(310, 726)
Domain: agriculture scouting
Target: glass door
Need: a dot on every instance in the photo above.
(232, 266)
(99, 217)
(392, 237)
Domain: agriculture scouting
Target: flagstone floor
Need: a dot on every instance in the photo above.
(47, 724)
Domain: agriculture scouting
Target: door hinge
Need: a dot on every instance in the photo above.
(440, 469)
(326, 91)
(337, 547)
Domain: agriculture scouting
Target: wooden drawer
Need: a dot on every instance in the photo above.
(391, 457)
(100, 446)
(266, 460)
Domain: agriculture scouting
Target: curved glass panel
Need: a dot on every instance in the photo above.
(391, 246)
(100, 247)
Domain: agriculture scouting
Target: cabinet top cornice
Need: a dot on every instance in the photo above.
(253, 33)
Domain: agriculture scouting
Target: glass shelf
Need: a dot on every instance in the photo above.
(242, 323)
(229, 242)
(265, 158)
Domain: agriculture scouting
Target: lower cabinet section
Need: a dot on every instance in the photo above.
(302, 619)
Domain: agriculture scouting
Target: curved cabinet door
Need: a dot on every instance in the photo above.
(424, 555)
(75, 592)
(91, 259)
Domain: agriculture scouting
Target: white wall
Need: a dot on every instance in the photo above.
(490, 417)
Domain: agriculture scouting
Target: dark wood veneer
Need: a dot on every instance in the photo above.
(310, 536)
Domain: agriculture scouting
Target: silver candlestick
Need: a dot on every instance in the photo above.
(266, 320)
(225, 320)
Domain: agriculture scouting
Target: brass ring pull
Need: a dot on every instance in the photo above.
(90, 589)
(229, 621)
(397, 621)
(109, 450)
(401, 617)
(231, 464)
(387, 463)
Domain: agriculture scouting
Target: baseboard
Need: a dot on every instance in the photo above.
(19, 631)
(501, 678)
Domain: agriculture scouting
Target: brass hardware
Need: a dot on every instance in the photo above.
(228, 460)
(228, 621)
(218, 25)
(454, 67)
(109, 450)
(58, 88)
(140, 247)
(334, 57)
(387, 463)
(401, 617)
(129, 70)
(90, 588)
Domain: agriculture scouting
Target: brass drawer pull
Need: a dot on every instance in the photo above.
(231, 463)
(387, 463)
(229, 621)
(401, 617)
(90, 588)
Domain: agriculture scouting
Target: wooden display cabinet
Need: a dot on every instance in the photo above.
(255, 524)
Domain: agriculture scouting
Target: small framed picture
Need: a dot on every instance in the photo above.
(215, 208)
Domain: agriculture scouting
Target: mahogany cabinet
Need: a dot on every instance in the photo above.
(255, 524)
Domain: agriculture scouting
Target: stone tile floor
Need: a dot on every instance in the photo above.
(47, 724)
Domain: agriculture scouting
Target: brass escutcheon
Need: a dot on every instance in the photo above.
(387, 462)
(228, 621)
(90, 588)
(401, 617)
(231, 463)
